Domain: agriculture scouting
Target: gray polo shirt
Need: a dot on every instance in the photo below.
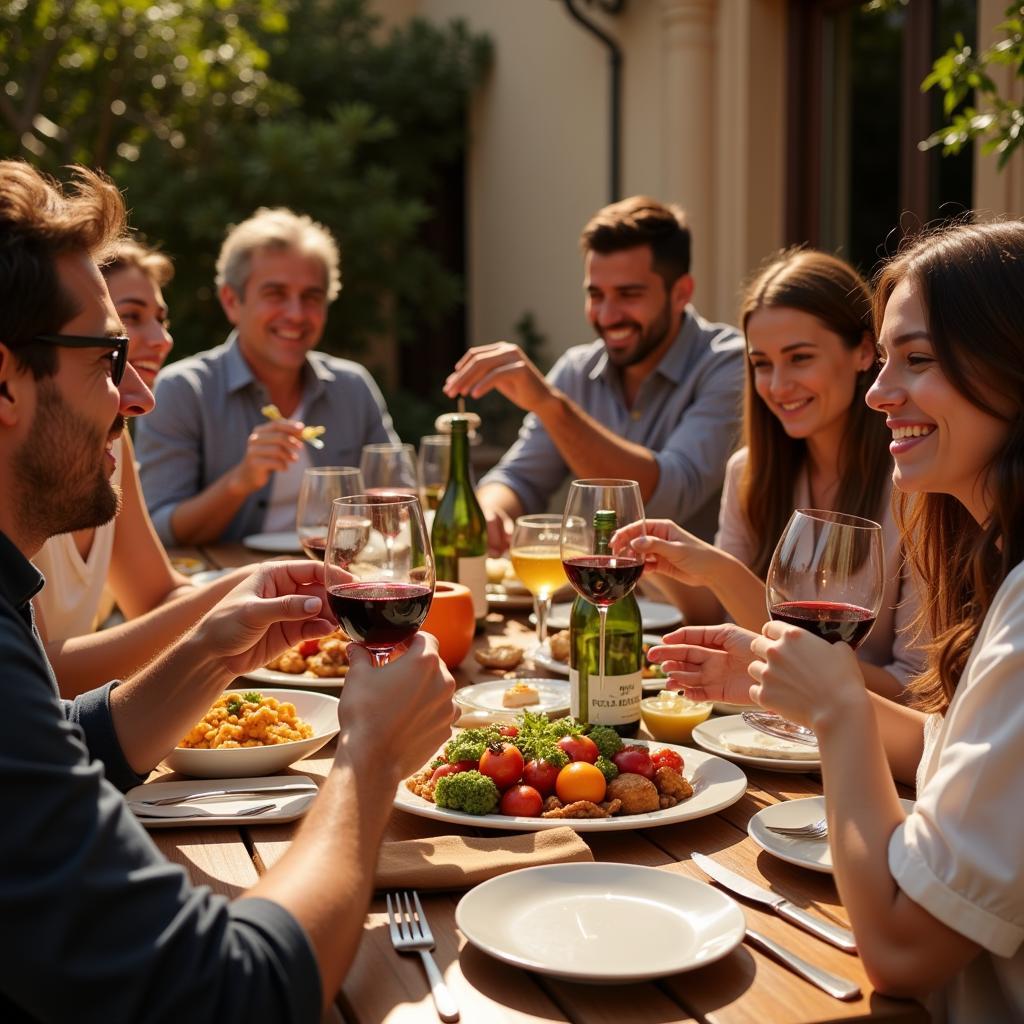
(208, 404)
(95, 923)
(687, 413)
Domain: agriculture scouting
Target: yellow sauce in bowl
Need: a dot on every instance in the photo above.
(671, 718)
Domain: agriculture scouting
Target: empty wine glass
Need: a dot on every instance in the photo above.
(389, 468)
(320, 486)
(593, 511)
(537, 559)
(827, 576)
(386, 594)
(432, 469)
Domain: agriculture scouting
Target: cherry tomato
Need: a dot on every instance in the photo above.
(580, 748)
(308, 647)
(452, 769)
(521, 801)
(635, 760)
(541, 775)
(503, 763)
(667, 759)
(508, 731)
(580, 780)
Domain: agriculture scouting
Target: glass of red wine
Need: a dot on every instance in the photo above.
(379, 593)
(593, 510)
(320, 486)
(826, 576)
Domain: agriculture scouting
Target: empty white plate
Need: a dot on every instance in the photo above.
(603, 923)
(285, 542)
(714, 735)
(805, 853)
(655, 615)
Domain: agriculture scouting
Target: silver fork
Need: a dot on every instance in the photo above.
(816, 830)
(411, 933)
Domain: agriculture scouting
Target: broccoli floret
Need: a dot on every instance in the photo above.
(538, 738)
(253, 697)
(607, 768)
(608, 741)
(470, 744)
(466, 791)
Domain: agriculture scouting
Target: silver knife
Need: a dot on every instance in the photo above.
(835, 985)
(206, 794)
(841, 937)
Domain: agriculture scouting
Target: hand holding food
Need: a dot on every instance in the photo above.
(311, 435)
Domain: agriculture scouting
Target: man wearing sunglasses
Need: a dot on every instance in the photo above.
(95, 924)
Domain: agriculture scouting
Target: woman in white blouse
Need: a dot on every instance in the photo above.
(936, 896)
(123, 561)
(808, 442)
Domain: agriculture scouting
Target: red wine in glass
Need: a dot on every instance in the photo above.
(831, 620)
(380, 615)
(603, 579)
(315, 547)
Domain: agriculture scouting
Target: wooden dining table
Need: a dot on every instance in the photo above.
(744, 986)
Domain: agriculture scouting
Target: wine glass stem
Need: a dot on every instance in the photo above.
(541, 607)
(389, 545)
(380, 658)
(602, 615)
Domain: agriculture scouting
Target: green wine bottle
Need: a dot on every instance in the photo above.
(614, 700)
(459, 533)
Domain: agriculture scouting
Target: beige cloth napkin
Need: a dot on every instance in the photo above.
(458, 862)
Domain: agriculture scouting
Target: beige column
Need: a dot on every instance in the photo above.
(688, 130)
(998, 193)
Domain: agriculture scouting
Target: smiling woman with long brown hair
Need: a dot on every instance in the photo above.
(936, 896)
(809, 441)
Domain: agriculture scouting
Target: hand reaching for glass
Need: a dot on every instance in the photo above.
(667, 549)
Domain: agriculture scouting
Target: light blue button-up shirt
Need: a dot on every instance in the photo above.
(687, 412)
(206, 408)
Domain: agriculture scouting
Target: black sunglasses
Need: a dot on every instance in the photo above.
(119, 343)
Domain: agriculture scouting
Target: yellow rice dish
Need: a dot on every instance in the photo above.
(247, 720)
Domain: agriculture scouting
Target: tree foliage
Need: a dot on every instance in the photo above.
(203, 110)
(971, 100)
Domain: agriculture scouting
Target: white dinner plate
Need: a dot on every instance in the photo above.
(805, 853)
(296, 680)
(541, 655)
(711, 735)
(716, 784)
(553, 694)
(284, 542)
(221, 810)
(603, 923)
(655, 615)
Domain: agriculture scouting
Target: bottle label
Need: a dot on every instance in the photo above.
(472, 573)
(613, 701)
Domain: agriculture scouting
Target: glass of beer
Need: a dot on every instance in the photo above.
(537, 561)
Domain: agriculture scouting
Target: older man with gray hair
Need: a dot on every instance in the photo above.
(212, 465)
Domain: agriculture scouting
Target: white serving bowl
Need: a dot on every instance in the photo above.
(320, 710)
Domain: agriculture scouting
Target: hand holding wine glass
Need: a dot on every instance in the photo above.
(320, 486)
(593, 510)
(386, 599)
(827, 576)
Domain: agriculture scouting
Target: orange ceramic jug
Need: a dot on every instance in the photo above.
(452, 621)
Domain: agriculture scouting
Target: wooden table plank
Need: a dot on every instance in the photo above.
(216, 857)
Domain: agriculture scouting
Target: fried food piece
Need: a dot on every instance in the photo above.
(583, 809)
(502, 658)
(638, 795)
(420, 783)
(290, 661)
(559, 644)
(671, 784)
(552, 803)
(326, 666)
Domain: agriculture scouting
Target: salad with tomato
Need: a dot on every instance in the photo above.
(560, 769)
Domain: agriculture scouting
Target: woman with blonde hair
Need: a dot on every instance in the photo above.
(808, 442)
(936, 896)
(123, 561)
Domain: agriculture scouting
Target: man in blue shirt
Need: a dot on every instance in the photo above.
(95, 924)
(212, 465)
(655, 399)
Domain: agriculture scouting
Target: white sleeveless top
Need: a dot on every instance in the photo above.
(73, 601)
